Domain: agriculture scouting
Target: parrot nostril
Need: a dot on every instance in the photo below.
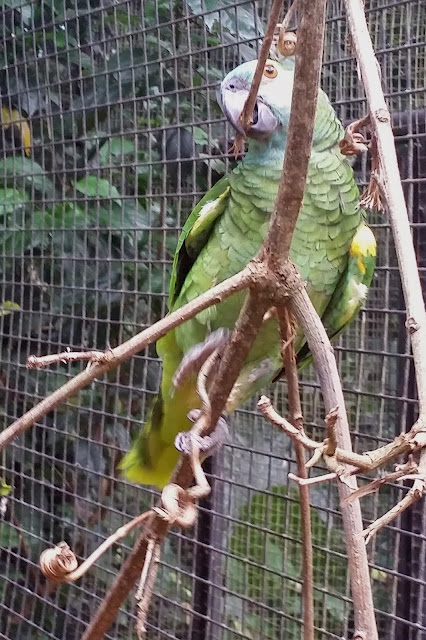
(255, 114)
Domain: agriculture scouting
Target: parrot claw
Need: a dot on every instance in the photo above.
(209, 445)
(198, 354)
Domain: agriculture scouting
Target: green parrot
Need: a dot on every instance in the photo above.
(332, 247)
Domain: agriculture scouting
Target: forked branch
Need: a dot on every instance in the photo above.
(391, 187)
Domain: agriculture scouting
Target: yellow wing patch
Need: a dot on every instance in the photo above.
(363, 245)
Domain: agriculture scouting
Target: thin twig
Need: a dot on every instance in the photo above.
(287, 332)
(366, 462)
(334, 462)
(246, 117)
(330, 423)
(55, 563)
(315, 458)
(399, 475)
(370, 460)
(146, 585)
(127, 350)
(39, 362)
(416, 492)
(308, 482)
(289, 16)
(299, 435)
(202, 487)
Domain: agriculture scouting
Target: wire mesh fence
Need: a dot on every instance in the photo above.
(110, 135)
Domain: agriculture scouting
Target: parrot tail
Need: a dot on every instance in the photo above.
(153, 455)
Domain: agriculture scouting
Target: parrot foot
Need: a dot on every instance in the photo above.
(209, 445)
(198, 354)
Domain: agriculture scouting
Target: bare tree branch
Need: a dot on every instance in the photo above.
(395, 202)
(60, 564)
(287, 331)
(295, 434)
(127, 350)
(416, 492)
(326, 367)
(124, 582)
(65, 357)
(401, 473)
(390, 182)
(146, 586)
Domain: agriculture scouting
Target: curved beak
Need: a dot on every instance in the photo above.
(232, 105)
(233, 101)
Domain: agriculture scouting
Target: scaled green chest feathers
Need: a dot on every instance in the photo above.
(332, 247)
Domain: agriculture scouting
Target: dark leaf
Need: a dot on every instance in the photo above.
(31, 172)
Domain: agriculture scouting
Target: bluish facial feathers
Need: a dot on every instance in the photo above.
(272, 110)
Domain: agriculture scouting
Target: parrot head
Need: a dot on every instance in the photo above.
(272, 110)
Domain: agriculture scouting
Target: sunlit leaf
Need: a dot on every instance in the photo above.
(6, 308)
(200, 136)
(24, 8)
(32, 174)
(116, 146)
(237, 20)
(129, 215)
(10, 200)
(97, 187)
(5, 489)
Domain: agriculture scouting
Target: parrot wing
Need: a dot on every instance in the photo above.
(195, 234)
(153, 454)
(327, 222)
(351, 291)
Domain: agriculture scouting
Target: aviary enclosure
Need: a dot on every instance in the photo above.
(111, 133)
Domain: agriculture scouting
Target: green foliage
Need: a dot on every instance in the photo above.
(86, 261)
(5, 488)
(266, 568)
(32, 176)
(237, 21)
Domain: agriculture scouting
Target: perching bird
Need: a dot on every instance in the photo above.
(332, 247)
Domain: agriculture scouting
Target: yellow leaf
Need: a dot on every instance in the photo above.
(5, 489)
(13, 117)
(8, 307)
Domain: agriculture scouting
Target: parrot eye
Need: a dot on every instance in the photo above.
(270, 71)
